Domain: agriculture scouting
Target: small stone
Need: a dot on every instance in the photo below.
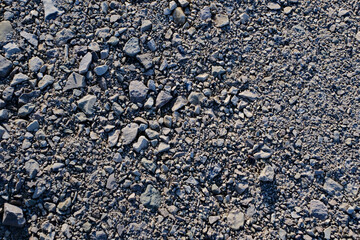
(13, 216)
(129, 133)
(273, 6)
(86, 104)
(74, 80)
(241, 187)
(196, 98)
(101, 70)
(163, 98)
(318, 209)
(179, 16)
(51, 11)
(63, 206)
(163, 147)
(205, 13)
(111, 182)
(85, 63)
(19, 78)
(213, 219)
(151, 198)
(332, 187)
(63, 36)
(46, 81)
(57, 166)
(287, 10)
(221, 20)
(31, 38)
(35, 64)
(33, 126)
(244, 18)
(113, 138)
(217, 71)
(327, 233)
(6, 31)
(248, 95)
(138, 91)
(236, 219)
(26, 110)
(149, 165)
(146, 25)
(262, 155)
(4, 114)
(357, 36)
(183, 3)
(32, 168)
(179, 103)
(267, 174)
(146, 60)
(5, 67)
(132, 47)
(202, 77)
(141, 144)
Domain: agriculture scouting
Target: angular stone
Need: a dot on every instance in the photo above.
(318, 209)
(85, 63)
(141, 144)
(111, 182)
(151, 198)
(132, 47)
(86, 104)
(35, 64)
(262, 155)
(63, 206)
(11, 49)
(113, 138)
(149, 165)
(19, 78)
(145, 25)
(51, 11)
(129, 133)
(179, 103)
(138, 91)
(26, 110)
(196, 98)
(163, 147)
(4, 114)
(248, 95)
(146, 60)
(179, 16)
(31, 38)
(267, 174)
(101, 70)
(332, 187)
(6, 30)
(75, 80)
(5, 67)
(273, 6)
(46, 81)
(163, 98)
(236, 219)
(32, 168)
(205, 13)
(13, 216)
(221, 20)
(64, 36)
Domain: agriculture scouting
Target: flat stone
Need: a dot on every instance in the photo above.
(262, 155)
(32, 168)
(13, 216)
(11, 49)
(46, 81)
(318, 209)
(213, 219)
(129, 133)
(202, 77)
(35, 63)
(217, 71)
(86, 104)
(75, 80)
(64, 205)
(267, 174)
(149, 165)
(163, 98)
(132, 47)
(146, 25)
(141, 144)
(5, 67)
(151, 198)
(31, 38)
(103, 32)
(357, 36)
(163, 147)
(236, 219)
(179, 103)
(63, 36)
(273, 6)
(85, 63)
(101, 70)
(248, 95)
(287, 10)
(179, 16)
(113, 138)
(146, 60)
(332, 187)
(138, 91)
(26, 110)
(57, 166)
(205, 13)
(111, 182)
(196, 98)
(51, 11)
(4, 114)
(6, 31)
(19, 78)
(221, 20)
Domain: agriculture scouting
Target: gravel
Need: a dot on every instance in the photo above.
(179, 119)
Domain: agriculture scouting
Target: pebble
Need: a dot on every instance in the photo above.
(217, 71)
(46, 81)
(287, 10)
(267, 174)
(179, 103)
(129, 133)
(113, 138)
(13, 216)
(64, 205)
(32, 168)
(75, 80)
(236, 219)
(50, 10)
(5, 67)
(86, 104)
(63, 36)
(318, 209)
(332, 187)
(163, 98)
(4, 114)
(6, 31)
(163, 147)
(146, 25)
(273, 6)
(132, 47)
(101, 70)
(205, 13)
(85, 63)
(138, 91)
(248, 95)
(31, 38)
(146, 60)
(262, 155)
(149, 165)
(179, 16)
(11, 49)
(35, 63)
(19, 78)
(141, 144)
(151, 198)
(221, 20)
(26, 109)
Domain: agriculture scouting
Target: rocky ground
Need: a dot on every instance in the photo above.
(179, 120)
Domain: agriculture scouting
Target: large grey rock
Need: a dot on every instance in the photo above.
(138, 91)
(113, 138)
(267, 174)
(132, 47)
(5, 66)
(179, 103)
(141, 144)
(6, 31)
(51, 11)
(101, 70)
(19, 78)
(151, 198)
(221, 20)
(75, 80)
(236, 219)
(332, 187)
(26, 110)
(85, 63)
(163, 98)
(13, 216)
(86, 104)
(35, 63)
(46, 81)
(32, 168)
(11, 49)
(248, 95)
(63, 36)
(179, 16)
(129, 133)
(31, 38)
(318, 209)
(146, 60)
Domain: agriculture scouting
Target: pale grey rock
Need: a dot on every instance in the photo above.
(146, 60)
(57, 166)
(32, 168)
(179, 16)
(86, 104)
(267, 174)
(132, 47)
(248, 95)
(205, 13)
(46, 81)
(129, 133)
(5, 67)
(6, 31)
(163, 98)
(179, 103)
(63, 36)
(13, 216)
(35, 63)
(146, 25)
(217, 71)
(318, 209)
(113, 138)
(64, 205)
(26, 109)
(111, 182)
(138, 91)
(196, 98)
(163, 147)
(19, 78)
(332, 187)
(141, 144)
(4, 114)
(11, 49)
(101, 70)
(75, 80)
(221, 20)
(262, 155)
(149, 165)
(273, 6)
(85, 63)
(33, 126)
(31, 38)
(236, 219)
(51, 11)
(151, 198)
(103, 32)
